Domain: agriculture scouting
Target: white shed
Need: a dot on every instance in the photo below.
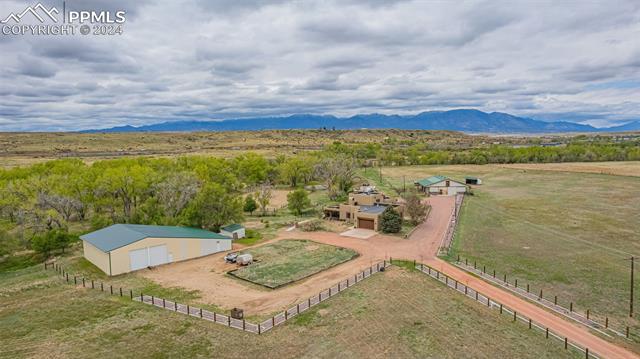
(235, 231)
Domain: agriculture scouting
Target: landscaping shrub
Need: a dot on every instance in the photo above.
(311, 225)
(390, 221)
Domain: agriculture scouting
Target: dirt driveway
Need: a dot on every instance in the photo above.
(208, 274)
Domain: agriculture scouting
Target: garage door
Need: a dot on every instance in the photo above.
(158, 255)
(365, 223)
(139, 259)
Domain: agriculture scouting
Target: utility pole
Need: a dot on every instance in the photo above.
(404, 184)
(631, 289)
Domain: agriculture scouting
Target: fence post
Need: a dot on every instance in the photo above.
(102, 287)
(488, 302)
(587, 313)
(515, 316)
(67, 277)
(111, 289)
(527, 287)
(286, 315)
(188, 310)
(505, 278)
(201, 317)
(516, 283)
(606, 322)
(141, 297)
(547, 333)
(456, 284)
(555, 300)
(329, 291)
(466, 262)
(465, 290)
(571, 307)
(131, 293)
(474, 264)
(82, 282)
(500, 308)
(298, 308)
(566, 343)
(484, 269)
(586, 353)
(164, 303)
(339, 286)
(153, 300)
(273, 321)
(627, 332)
(175, 306)
(229, 321)
(121, 291)
(458, 258)
(75, 280)
(529, 323)
(494, 273)
(309, 303)
(92, 286)
(540, 298)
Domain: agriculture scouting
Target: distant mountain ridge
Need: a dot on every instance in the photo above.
(471, 121)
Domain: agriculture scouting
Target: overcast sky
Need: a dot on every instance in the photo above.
(200, 60)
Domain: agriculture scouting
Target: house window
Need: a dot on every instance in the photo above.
(447, 183)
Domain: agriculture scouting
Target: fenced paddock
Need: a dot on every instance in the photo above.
(218, 318)
(485, 300)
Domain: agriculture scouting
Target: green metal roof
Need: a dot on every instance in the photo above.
(119, 235)
(232, 227)
(471, 178)
(431, 180)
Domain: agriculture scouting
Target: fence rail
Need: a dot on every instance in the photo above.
(445, 246)
(218, 318)
(486, 300)
(538, 296)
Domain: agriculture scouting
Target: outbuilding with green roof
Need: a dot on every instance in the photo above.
(123, 248)
(440, 185)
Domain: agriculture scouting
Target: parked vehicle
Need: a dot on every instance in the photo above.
(244, 259)
(231, 257)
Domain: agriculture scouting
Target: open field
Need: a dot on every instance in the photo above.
(41, 317)
(283, 262)
(564, 232)
(610, 168)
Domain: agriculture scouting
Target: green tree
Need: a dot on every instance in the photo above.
(295, 170)
(214, 207)
(390, 221)
(250, 204)
(263, 197)
(416, 210)
(298, 200)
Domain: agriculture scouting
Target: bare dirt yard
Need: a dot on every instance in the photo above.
(208, 274)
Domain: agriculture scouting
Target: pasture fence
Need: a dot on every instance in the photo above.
(503, 309)
(219, 318)
(447, 240)
(552, 302)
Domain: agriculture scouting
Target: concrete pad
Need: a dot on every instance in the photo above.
(359, 233)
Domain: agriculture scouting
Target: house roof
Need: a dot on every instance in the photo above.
(119, 235)
(372, 209)
(431, 180)
(471, 178)
(232, 227)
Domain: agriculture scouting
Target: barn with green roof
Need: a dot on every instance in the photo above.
(440, 185)
(123, 248)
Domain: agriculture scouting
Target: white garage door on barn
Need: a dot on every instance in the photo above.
(139, 259)
(149, 256)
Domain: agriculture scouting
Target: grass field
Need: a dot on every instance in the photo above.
(567, 233)
(398, 314)
(287, 261)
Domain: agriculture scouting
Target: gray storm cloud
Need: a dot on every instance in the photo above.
(226, 59)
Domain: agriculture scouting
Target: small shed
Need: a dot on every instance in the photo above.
(235, 231)
(472, 180)
(123, 248)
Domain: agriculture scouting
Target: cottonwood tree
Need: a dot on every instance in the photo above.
(175, 192)
(213, 207)
(338, 173)
(295, 170)
(263, 197)
(298, 200)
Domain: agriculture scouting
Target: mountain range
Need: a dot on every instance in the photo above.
(464, 120)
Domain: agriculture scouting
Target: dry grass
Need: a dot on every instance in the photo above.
(397, 314)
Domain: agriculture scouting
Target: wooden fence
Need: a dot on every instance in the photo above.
(486, 300)
(445, 246)
(218, 318)
(538, 296)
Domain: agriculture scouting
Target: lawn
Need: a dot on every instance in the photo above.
(567, 233)
(287, 261)
(40, 317)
